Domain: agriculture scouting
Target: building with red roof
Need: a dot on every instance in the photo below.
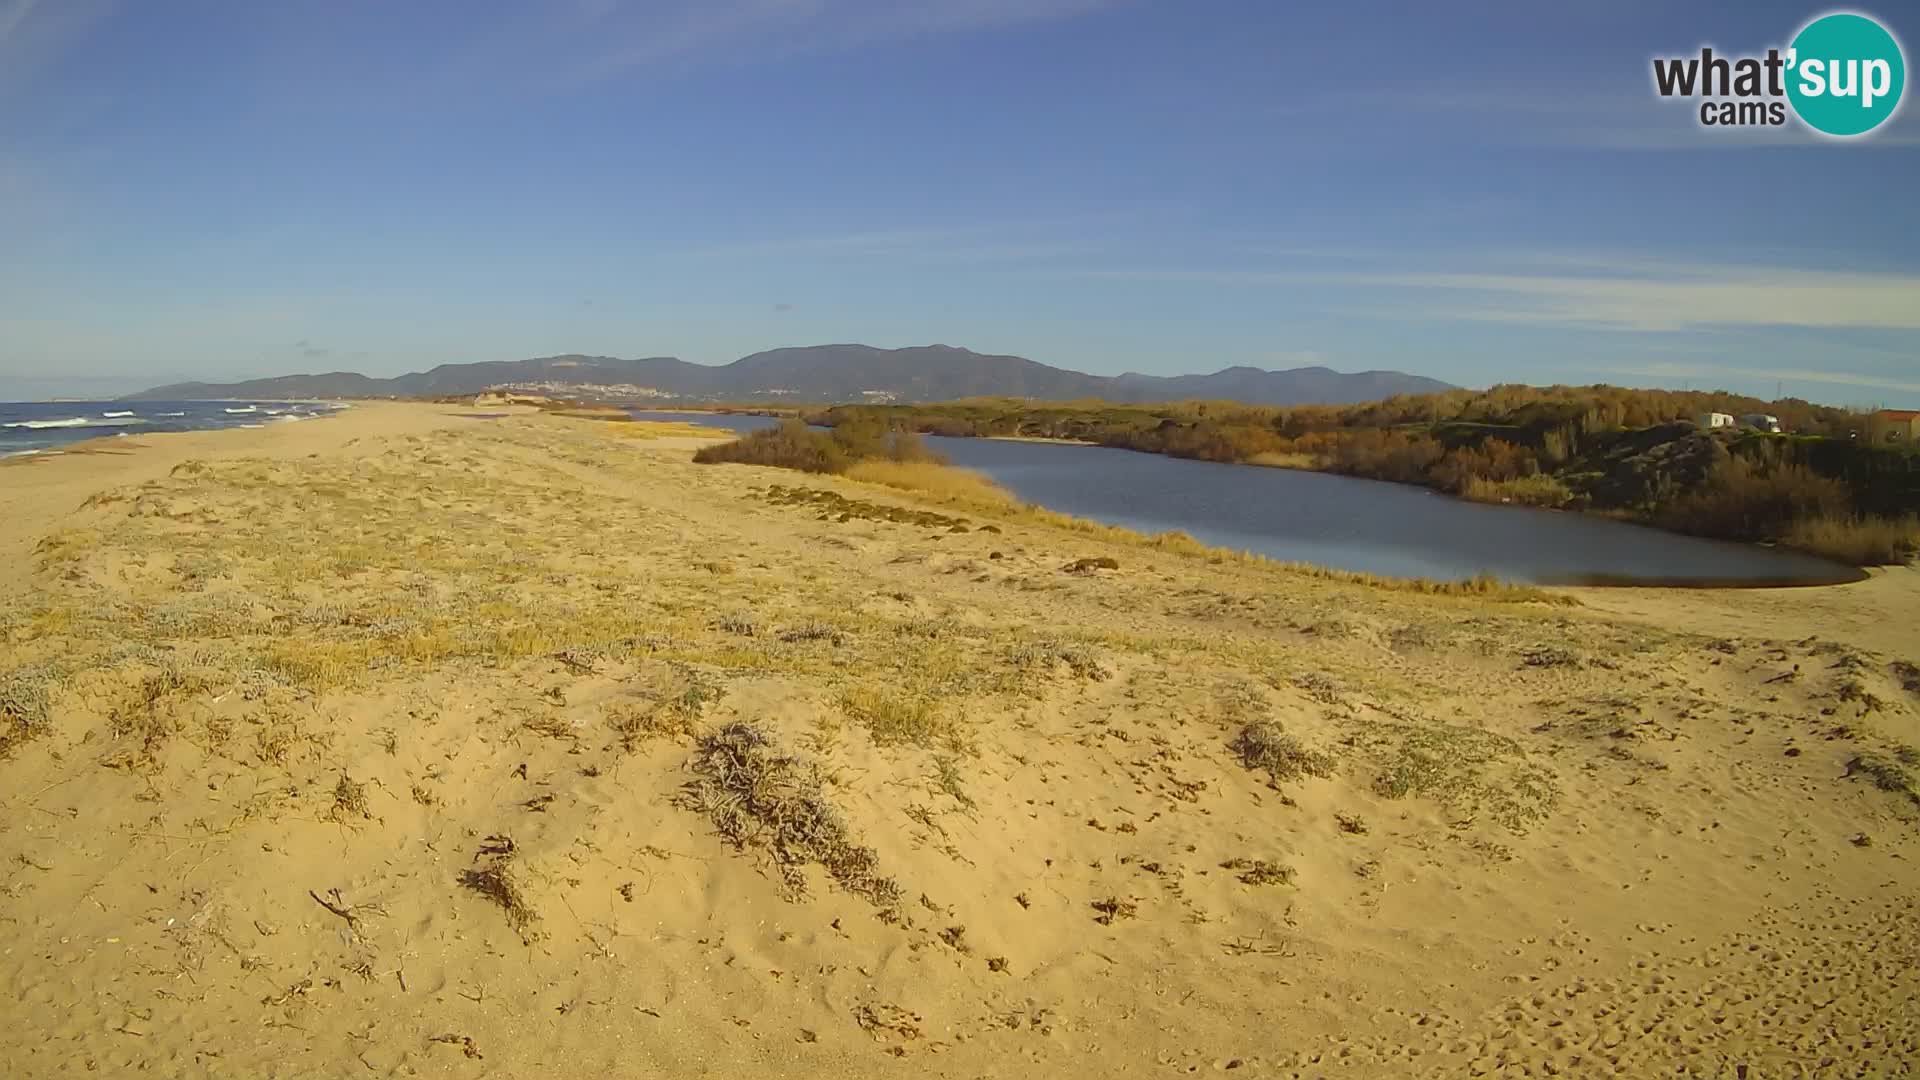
(1894, 426)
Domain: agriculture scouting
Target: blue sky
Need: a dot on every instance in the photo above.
(212, 189)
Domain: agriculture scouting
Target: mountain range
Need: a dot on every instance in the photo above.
(822, 374)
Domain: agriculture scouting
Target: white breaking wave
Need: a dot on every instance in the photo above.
(170, 414)
(248, 409)
(78, 421)
(128, 413)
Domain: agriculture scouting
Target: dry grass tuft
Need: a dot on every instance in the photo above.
(948, 779)
(1858, 541)
(1114, 908)
(759, 797)
(551, 725)
(941, 483)
(1264, 745)
(1853, 690)
(1536, 490)
(1043, 657)
(146, 717)
(888, 1021)
(24, 705)
(1887, 773)
(1549, 656)
(635, 722)
(668, 714)
(501, 880)
(1260, 871)
(1467, 770)
(647, 429)
(1275, 459)
(813, 631)
(349, 801)
(896, 719)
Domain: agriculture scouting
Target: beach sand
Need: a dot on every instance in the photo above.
(412, 743)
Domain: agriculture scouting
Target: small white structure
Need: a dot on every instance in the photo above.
(1713, 420)
(1760, 422)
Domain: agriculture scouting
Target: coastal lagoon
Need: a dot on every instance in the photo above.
(1353, 524)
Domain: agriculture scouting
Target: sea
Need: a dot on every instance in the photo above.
(45, 427)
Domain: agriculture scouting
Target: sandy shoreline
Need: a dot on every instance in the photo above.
(391, 745)
(1038, 439)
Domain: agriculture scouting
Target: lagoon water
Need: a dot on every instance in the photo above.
(1353, 524)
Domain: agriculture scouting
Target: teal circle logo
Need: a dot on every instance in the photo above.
(1845, 74)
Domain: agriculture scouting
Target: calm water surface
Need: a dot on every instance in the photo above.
(1353, 524)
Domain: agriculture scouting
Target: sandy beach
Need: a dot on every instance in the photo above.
(413, 742)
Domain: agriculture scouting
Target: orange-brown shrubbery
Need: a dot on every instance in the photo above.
(1400, 456)
(1495, 461)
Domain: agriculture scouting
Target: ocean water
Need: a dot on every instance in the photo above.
(44, 427)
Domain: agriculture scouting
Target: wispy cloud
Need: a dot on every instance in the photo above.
(1730, 296)
(34, 33)
(1518, 115)
(1792, 375)
(1008, 242)
(12, 15)
(592, 40)
(1633, 294)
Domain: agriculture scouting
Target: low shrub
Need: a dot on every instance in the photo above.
(789, 446)
(793, 445)
(1744, 499)
(1494, 461)
(760, 797)
(1264, 745)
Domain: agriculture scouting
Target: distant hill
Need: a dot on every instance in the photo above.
(824, 374)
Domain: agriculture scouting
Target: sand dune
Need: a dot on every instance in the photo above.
(415, 743)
